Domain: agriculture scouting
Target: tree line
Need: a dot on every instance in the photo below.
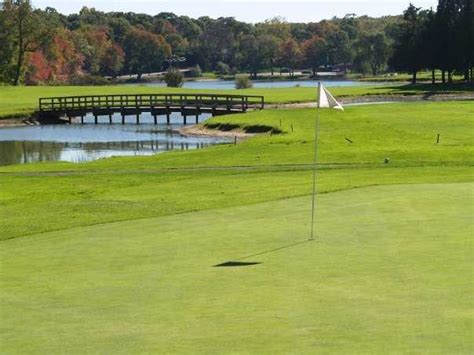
(45, 47)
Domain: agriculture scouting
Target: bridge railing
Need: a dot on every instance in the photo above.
(67, 103)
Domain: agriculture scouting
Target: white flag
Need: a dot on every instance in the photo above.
(326, 100)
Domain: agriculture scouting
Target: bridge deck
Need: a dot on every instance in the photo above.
(156, 104)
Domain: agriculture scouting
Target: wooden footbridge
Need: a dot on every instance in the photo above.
(189, 105)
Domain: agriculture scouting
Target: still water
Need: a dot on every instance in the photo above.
(80, 143)
(230, 85)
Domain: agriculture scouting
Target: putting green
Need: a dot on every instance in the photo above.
(391, 272)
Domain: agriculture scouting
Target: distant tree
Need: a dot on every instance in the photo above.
(451, 35)
(113, 60)
(339, 48)
(408, 47)
(144, 51)
(373, 49)
(314, 53)
(268, 45)
(24, 28)
(290, 55)
(7, 44)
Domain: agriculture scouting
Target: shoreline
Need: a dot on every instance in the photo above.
(201, 131)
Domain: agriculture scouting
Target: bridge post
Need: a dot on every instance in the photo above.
(123, 118)
(167, 114)
(138, 116)
(110, 116)
(96, 118)
(82, 119)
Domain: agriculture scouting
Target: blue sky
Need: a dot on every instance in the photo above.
(245, 10)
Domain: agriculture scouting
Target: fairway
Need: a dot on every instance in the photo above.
(390, 272)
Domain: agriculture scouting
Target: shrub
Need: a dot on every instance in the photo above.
(222, 68)
(195, 72)
(243, 82)
(174, 78)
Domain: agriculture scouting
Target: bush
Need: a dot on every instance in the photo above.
(195, 72)
(243, 82)
(222, 68)
(174, 78)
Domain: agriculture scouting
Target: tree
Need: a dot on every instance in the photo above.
(7, 44)
(338, 48)
(144, 51)
(24, 28)
(374, 50)
(407, 50)
(315, 53)
(290, 55)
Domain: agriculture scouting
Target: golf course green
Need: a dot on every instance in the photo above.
(120, 255)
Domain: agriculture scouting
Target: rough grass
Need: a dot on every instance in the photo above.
(391, 272)
(22, 101)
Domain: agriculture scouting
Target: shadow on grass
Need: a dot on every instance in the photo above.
(239, 262)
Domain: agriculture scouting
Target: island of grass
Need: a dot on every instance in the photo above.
(119, 255)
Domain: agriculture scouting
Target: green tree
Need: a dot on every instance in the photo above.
(374, 50)
(24, 27)
(145, 52)
(408, 48)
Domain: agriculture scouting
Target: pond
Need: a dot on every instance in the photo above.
(230, 85)
(80, 143)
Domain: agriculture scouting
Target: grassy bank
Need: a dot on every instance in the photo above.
(21, 101)
(267, 167)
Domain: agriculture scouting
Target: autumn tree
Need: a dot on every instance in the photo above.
(314, 53)
(290, 55)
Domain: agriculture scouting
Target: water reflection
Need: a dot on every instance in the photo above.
(79, 143)
(23, 152)
(262, 84)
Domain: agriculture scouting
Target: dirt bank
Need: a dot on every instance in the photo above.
(201, 131)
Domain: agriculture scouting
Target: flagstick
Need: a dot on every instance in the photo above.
(313, 209)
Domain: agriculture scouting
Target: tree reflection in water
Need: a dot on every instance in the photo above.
(22, 152)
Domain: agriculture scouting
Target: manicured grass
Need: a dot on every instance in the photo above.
(21, 101)
(117, 255)
(423, 76)
(391, 273)
(61, 195)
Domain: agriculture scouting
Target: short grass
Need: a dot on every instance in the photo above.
(116, 256)
(391, 272)
(22, 101)
(422, 76)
